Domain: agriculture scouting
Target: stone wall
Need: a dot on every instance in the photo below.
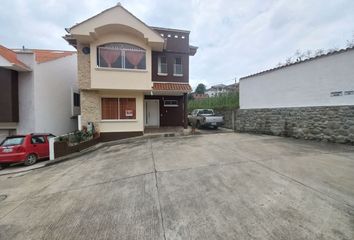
(333, 124)
(229, 117)
(90, 108)
(83, 63)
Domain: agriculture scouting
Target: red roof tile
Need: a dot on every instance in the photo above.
(11, 57)
(179, 87)
(49, 55)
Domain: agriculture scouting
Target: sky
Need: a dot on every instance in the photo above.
(235, 37)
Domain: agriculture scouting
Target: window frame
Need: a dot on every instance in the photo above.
(123, 47)
(159, 64)
(170, 103)
(38, 136)
(175, 65)
(76, 100)
(119, 108)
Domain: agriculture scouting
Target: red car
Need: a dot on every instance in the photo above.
(25, 149)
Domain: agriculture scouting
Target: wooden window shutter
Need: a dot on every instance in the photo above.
(109, 108)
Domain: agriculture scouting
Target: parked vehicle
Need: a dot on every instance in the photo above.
(205, 118)
(26, 149)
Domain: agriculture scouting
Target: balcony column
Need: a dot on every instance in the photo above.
(185, 98)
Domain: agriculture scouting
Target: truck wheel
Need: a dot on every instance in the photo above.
(31, 159)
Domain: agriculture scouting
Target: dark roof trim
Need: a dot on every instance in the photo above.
(192, 50)
(170, 29)
(303, 61)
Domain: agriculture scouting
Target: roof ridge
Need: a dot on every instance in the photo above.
(329, 53)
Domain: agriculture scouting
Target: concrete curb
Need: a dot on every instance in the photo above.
(106, 144)
(34, 167)
(113, 143)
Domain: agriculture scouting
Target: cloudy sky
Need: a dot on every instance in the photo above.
(235, 37)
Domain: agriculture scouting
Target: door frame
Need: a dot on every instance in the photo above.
(158, 112)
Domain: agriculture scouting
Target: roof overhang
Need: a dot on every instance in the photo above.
(192, 50)
(4, 63)
(165, 88)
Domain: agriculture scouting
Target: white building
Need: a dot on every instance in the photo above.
(47, 96)
(216, 90)
(326, 80)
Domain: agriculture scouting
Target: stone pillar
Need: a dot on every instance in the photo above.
(90, 108)
(185, 98)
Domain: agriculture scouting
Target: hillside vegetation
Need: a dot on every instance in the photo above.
(225, 101)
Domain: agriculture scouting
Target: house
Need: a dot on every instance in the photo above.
(131, 76)
(325, 80)
(216, 90)
(38, 91)
(219, 89)
(199, 96)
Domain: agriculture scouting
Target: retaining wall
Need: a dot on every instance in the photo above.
(332, 123)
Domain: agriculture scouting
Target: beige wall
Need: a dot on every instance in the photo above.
(116, 16)
(91, 111)
(104, 78)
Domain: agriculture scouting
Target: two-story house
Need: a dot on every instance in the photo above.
(131, 75)
(38, 91)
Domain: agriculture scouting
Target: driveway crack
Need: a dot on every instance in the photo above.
(157, 191)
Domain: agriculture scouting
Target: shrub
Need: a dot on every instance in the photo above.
(222, 102)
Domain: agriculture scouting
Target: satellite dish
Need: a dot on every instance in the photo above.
(86, 50)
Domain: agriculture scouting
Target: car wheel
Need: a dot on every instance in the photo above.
(31, 159)
(215, 127)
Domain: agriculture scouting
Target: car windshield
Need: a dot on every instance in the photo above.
(206, 111)
(12, 141)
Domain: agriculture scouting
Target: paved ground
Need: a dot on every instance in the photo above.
(218, 186)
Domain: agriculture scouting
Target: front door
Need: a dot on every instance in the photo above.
(152, 113)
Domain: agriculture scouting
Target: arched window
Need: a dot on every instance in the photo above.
(121, 55)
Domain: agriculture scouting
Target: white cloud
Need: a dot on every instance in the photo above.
(235, 38)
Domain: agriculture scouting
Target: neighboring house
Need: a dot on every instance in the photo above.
(198, 96)
(216, 90)
(219, 89)
(232, 87)
(326, 80)
(37, 91)
(131, 75)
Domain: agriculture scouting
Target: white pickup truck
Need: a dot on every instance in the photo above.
(205, 118)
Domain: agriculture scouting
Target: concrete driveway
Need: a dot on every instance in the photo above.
(217, 186)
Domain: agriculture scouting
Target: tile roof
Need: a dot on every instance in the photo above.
(42, 56)
(302, 61)
(11, 57)
(179, 87)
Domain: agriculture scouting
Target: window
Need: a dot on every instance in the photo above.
(336, 94)
(162, 66)
(170, 103)
(76, 99)
(121, 56)
(177, 70)
(118, 108)
(37, 140)
(12, 141)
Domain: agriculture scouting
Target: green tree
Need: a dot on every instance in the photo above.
(200, 88)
